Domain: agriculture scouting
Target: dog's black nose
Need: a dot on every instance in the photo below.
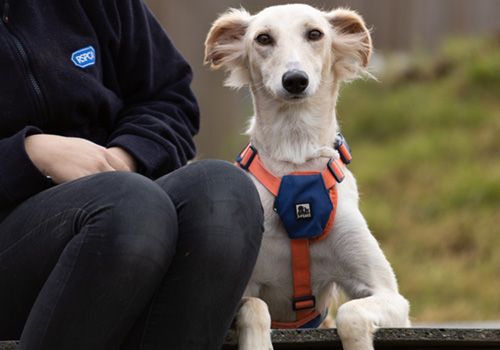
(295, 81)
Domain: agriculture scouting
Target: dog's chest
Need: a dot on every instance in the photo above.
(272, 279)
(273, 268)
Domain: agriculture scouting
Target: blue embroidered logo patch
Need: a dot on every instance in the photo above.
(84, 58)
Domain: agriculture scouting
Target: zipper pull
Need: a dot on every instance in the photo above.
(5, 14)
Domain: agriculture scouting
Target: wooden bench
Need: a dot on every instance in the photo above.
(388, 338)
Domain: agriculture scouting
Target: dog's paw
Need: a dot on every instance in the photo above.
(253, 323)
(355, 327)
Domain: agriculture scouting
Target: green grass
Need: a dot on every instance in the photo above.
(426, 145)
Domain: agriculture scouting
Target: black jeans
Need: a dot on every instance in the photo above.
(117, 261)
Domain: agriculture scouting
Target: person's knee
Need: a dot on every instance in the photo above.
(136, 218)
(240, 188)
(217, 196)
(219, 193)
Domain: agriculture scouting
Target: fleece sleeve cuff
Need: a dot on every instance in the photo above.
(19, 178)
(148, 154)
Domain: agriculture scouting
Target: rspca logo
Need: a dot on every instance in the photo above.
(303, 211)
(84, 58)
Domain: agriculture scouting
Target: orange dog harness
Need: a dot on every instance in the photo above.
(306, 203)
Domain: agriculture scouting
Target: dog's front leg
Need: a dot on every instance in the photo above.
(253, 324)
(367, 278)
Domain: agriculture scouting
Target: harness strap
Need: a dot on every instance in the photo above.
(303, 298)
(301, 261)
(333, 198)
(297, 324)
(343, 148)
(250, 161)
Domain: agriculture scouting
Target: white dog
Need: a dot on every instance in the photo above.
(293, 58)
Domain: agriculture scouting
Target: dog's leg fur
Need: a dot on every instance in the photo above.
(365, 276)
(253, 324)
(328, 322)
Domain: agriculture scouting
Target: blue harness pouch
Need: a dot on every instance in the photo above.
(303, 205)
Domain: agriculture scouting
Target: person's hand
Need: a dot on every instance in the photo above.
(124, 156)
(68, 158)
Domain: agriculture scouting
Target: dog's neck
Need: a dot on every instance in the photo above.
(294, 133)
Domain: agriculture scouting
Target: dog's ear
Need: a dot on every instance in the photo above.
(224, 43)
(352, 43)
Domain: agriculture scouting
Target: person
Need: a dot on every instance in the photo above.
(99, 249)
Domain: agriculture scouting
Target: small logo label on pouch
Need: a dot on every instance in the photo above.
(303, 211)
(84, 58)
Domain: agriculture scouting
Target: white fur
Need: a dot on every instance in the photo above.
(297, 135)
(252, 321)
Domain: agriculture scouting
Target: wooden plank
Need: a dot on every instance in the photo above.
(385, 339)
(389, 338)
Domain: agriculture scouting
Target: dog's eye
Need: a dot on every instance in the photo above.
(264, 39)
(314, 35)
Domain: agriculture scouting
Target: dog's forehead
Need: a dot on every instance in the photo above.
(288, 15)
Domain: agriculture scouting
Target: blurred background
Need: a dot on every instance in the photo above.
(425, 139)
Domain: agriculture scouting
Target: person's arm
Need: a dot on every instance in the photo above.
(160, 113)
(31, 162)
(19, 177)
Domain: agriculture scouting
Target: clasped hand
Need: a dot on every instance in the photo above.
(69, 158)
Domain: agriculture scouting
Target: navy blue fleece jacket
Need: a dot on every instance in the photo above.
(131, 87)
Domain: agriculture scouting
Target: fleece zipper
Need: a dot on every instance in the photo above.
(40, 101)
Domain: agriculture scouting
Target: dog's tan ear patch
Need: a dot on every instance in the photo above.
(352, 43)
(224, 43)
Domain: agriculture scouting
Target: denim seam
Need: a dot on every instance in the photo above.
(79, 210)
(33, 230)
(146, 321)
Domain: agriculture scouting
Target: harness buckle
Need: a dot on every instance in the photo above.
(304, 302)
(246, 157)
(335, 170)
(343, 148)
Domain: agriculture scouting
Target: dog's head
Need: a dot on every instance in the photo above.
(288, 52)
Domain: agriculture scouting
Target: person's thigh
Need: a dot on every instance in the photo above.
(220, 230)
(69, 257)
